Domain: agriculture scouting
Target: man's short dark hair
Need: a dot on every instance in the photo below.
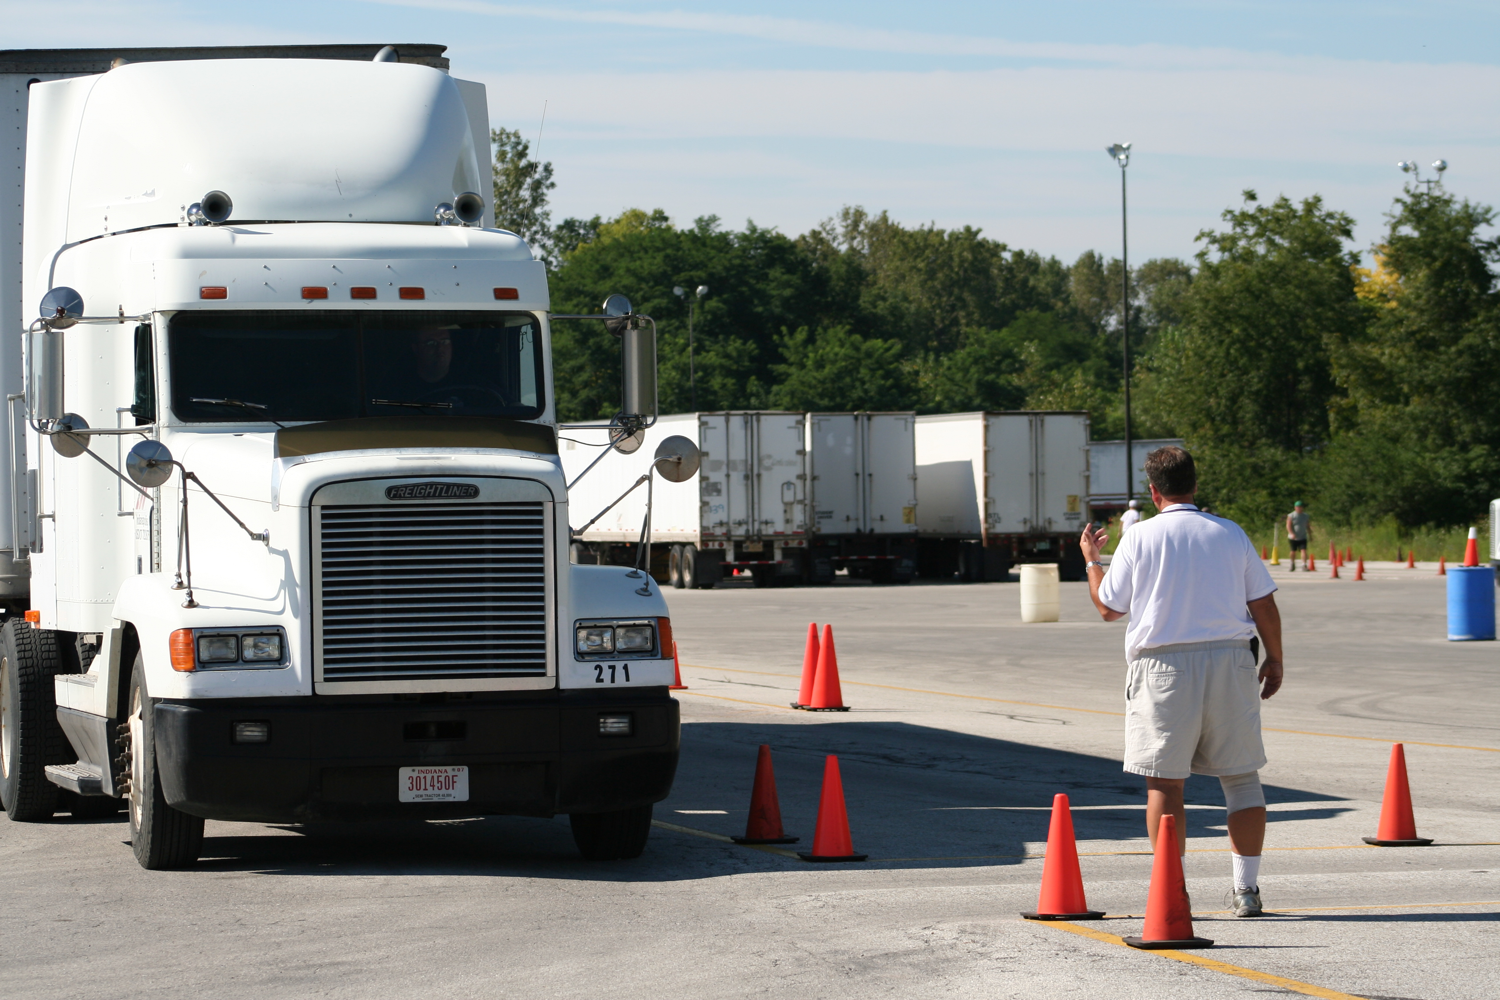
(1171, 471)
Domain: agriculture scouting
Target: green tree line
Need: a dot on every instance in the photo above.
(1291, 371)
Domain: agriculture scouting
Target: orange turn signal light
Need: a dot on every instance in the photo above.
(35, 617)
(414, 293)
(664, 636)
(183, 657)
(314, 292)
(507, 293)
(362, 292)
(213, 292)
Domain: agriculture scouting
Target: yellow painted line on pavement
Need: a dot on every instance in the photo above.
(1088, 711)
(741, 701)
(1295, 986)
(1367, 906)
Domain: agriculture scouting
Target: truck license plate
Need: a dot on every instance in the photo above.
(434, 784)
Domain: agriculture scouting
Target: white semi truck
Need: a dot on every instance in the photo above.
(996, 489)
(284, 510)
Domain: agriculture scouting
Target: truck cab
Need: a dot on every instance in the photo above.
(284, 474)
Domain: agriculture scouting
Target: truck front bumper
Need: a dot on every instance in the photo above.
(528, 754)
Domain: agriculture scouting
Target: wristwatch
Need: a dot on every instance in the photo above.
(1087, 565)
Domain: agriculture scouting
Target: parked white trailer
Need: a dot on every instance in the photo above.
(862, 479)
(260, 287)
(995, 489)
(745, 511)
(1107, 471)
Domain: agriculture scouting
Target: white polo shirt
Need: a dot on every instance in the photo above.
(1184, 576)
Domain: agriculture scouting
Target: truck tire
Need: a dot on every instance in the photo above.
(674, 567)
(698, 572)
(614, 835)
(162, 837)
(30, 737)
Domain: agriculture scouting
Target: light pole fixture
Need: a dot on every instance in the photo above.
(698, 293)
(1120, 153)
(1411, 167)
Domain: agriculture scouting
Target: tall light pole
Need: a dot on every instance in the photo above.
(698, 293)
(1410, 167)
(1120, 153)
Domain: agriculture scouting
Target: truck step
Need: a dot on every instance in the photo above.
(82, 779)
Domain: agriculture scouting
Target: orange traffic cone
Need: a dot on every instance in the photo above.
(1359, 570)
(1471, 550)
(826, 695)
(1312, 564)
(1265, 553)
(1348, 553)
(764, 824)
(1398, 827)
(1062, 881)
(1411, 559)
(1169, 921)
(676, 684)
(1333, 555)
(809, 667)
(1442, 566)
(831, 841)
(1335, 574)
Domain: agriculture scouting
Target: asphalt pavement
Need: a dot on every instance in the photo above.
(964, 723)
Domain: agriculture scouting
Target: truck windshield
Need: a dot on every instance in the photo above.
(330, 365)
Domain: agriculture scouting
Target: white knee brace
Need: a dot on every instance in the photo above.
(1242, 791)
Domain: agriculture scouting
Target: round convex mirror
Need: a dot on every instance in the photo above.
(626, 444)
(677, 459)
(149, 464)
(69, 445)
(61, 307)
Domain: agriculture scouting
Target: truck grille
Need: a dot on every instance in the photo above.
(432, 591)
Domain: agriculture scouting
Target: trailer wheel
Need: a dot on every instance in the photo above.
(698, 573)
(614, 835)
(674, 567)
(162, 837)
(30, 737)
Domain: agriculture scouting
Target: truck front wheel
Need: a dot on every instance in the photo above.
(614, 835)
(30, 737)
(161, 836)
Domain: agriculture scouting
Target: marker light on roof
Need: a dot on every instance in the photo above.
(413, 293)
(362, 292)
(507, 293)
(213, 292)
(314, 292)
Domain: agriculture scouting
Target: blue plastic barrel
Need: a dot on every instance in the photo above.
(1471, 603)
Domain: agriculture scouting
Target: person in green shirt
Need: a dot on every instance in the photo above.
(1296, 532)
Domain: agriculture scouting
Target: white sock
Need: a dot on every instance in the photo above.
(1246, 872)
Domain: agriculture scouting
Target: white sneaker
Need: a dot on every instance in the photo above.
(1247, 903)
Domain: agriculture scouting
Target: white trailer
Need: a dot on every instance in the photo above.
(270, 295)
(745, 511)
(1107, 471)
(862, 476)
(995, 489)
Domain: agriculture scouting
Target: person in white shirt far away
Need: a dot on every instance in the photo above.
(1131, 515)
(1197, 594)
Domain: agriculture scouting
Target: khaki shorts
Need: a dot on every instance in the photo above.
(1193, 708)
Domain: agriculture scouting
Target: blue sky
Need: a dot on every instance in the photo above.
(993, 114)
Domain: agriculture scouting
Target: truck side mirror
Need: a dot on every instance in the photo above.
(677, 459)
(149, 464)
(61, 308)
(637, 357)
(638, 371)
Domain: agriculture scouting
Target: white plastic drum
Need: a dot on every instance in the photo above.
(1039, 593)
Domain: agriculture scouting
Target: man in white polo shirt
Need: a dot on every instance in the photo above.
(1197, 594)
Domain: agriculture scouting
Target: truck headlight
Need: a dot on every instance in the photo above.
(634, 639)
(262, 648)
(218, 647)
(596, 639)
